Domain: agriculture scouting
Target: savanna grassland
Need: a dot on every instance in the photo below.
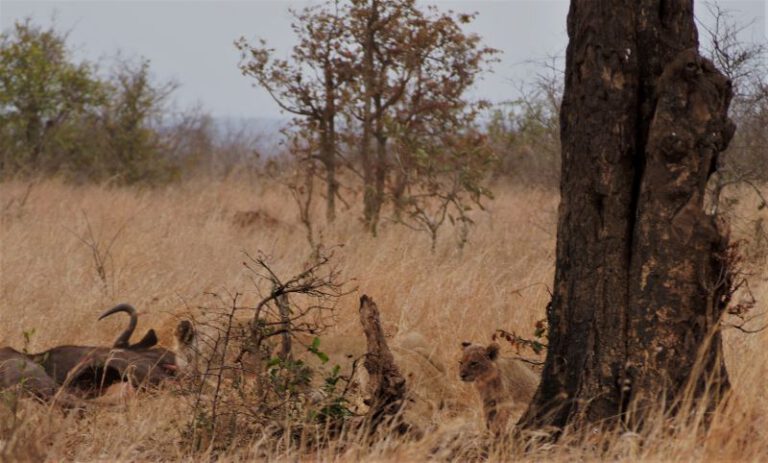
(172, 245)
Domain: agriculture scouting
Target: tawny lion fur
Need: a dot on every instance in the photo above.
(505, 385)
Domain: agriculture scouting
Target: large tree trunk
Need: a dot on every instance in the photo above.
(636, 294)
(680, 282)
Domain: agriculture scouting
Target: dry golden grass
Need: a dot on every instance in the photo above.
(175, 243)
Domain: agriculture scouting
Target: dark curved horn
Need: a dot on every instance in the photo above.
(123, 340)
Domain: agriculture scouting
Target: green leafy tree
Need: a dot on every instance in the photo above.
(58, 117)
(41, 92)
(131, 121)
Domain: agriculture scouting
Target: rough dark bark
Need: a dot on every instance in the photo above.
(637, 150)
(387, 385)
(679, 282)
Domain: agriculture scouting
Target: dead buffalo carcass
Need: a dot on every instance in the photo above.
(17, 371)
(89, 370)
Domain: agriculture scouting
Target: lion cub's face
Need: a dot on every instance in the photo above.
(477, 361)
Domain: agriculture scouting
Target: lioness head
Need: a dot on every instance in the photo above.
(476, 360)
(186, 347)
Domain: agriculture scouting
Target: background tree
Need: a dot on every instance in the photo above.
(61, 117)
(414, 67)
(446, 179)
(525, 132)
(641, 277)
(446, 64)
(746, 65)
(41, 91)
(396, 72)
(440, 159)
(131, 119)
(380, 30)
(310, 85)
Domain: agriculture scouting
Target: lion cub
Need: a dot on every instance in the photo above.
(503, 383)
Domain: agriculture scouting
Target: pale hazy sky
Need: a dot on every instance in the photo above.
(191, 41)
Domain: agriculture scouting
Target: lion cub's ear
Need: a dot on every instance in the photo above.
(492, 350)
(465, 344)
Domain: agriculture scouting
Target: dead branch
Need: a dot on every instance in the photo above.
(387, 384)
(285, 326)
(102, 255)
